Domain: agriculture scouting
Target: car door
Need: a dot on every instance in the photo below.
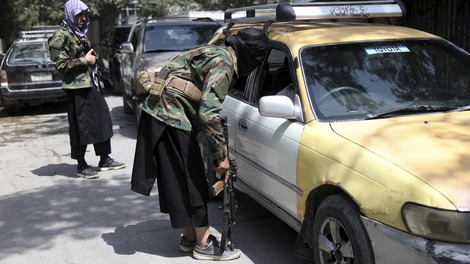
(129, 58)
(265, 148)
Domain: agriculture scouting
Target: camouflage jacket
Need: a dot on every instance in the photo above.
(70, 60)
(213, 69)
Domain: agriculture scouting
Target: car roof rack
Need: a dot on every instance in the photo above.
(305, 11)
(175, 18)
(35, 34)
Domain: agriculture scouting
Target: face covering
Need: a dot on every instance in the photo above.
(71, 9)
(250, 45)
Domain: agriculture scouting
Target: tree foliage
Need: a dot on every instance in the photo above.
(16, 15)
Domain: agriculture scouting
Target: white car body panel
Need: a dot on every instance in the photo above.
(266, 152)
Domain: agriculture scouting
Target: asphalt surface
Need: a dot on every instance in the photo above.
(49, 215)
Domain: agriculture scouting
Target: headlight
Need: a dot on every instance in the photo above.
(442, 225)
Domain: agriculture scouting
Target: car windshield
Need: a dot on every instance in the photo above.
(385, 79)
(24, 53)
(177, 37)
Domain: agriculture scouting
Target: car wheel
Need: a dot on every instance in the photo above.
(338, 233)
(127, 109)
(117, 90)
(138, 113)
(12, 109)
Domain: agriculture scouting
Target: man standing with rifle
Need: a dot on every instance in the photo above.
(88, 114)
(185, 98)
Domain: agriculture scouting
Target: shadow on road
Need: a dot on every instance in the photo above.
(79, 212)
(63, 169)
(151, 237)
(74, 209)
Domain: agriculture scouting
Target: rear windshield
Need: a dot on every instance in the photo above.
(356, 81)
(24, 53)
(177, 37)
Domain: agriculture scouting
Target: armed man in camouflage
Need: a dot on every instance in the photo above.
(185, 99)
(88, 113)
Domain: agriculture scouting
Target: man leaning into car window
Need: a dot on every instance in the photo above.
(88, 114)
(186, 98)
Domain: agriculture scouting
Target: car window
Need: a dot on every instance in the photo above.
(177, 37)
(134, 38)
(273, 76)
(356, 80)
(29, 52)
(120, 35)
(277, 73)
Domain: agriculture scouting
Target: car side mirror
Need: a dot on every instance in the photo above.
(127, 47)
(280, 106)
(105, 42)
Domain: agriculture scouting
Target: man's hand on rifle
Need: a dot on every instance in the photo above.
(90, 58)
(222, 167)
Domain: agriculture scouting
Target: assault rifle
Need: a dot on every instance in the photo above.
(97, 73)
(230, 206)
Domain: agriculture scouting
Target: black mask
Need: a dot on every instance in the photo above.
(251, 45)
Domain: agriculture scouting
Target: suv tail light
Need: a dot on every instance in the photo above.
(3, 78)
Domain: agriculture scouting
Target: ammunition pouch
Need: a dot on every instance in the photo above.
(184, 87)
(149, 82)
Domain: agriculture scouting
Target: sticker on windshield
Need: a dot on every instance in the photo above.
(386, 49)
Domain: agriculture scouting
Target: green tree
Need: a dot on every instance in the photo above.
(16, 15)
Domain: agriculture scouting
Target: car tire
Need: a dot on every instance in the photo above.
(127, 109)
(138, 113)
(339, 235)
(12, 109)
(115, 76)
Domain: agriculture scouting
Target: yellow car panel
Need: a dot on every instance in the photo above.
(437, 157)
(356, 158)
(393, 152)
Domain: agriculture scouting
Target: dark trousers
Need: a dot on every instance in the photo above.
(89, 122)
(101, 149)
(172, 157)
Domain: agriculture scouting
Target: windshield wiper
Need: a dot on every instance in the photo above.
(412, 109)
(162, 50)
(461, 108)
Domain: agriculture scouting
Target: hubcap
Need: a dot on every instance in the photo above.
(334, 243)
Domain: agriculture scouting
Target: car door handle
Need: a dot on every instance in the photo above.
(243, 125)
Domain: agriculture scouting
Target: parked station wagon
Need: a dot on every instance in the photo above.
(356, 134)
(27, 74)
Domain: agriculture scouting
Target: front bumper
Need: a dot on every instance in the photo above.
(394, 246)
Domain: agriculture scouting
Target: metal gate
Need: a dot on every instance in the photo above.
(449, 19)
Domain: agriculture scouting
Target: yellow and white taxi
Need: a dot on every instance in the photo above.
(356, 134)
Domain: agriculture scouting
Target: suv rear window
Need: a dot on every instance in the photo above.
(27, 52)
(177, 37)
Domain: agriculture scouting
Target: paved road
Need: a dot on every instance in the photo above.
(48, 215)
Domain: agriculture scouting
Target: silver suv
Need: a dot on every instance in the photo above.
(153, 43)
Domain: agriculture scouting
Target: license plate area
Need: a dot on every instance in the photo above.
(41, 76)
